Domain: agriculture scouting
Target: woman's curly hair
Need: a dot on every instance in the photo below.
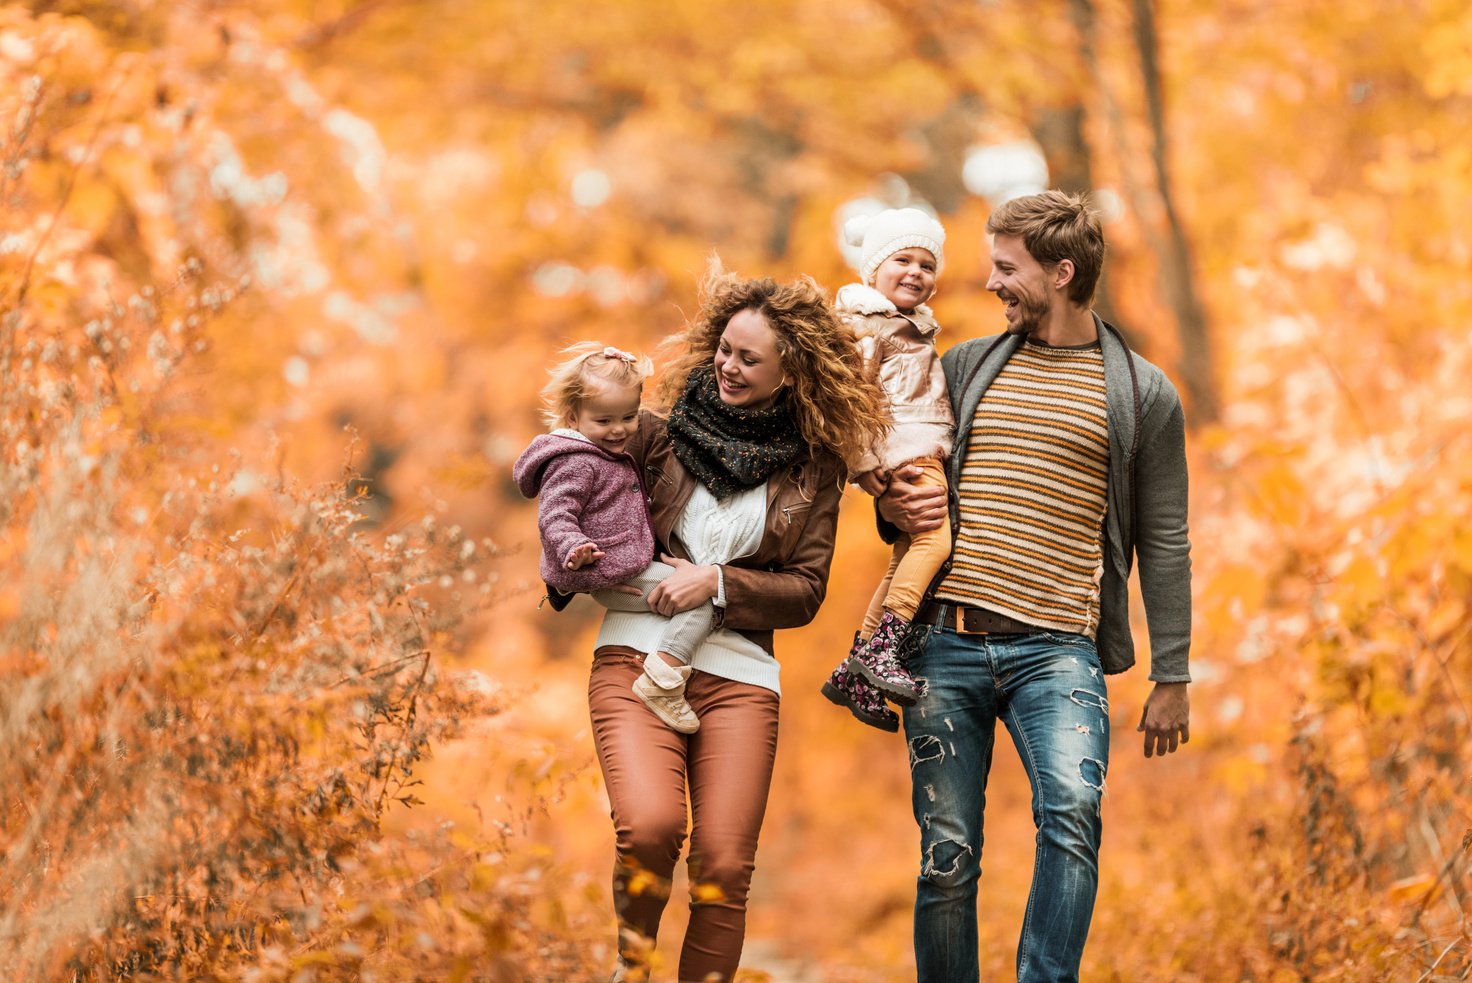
(837, 409)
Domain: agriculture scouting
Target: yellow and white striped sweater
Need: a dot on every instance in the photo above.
(1032, 492)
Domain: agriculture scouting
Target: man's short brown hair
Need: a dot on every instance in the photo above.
(1055, 226)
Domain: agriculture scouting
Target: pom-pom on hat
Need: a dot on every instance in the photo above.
(881, 236)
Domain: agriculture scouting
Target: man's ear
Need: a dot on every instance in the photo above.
(1063, 273)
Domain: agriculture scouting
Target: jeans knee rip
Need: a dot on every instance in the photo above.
(1091, 773)
(926, 747)
(952, 853)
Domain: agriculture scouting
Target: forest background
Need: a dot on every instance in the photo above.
(279, 281)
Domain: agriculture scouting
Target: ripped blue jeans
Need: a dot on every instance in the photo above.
(1048, 690)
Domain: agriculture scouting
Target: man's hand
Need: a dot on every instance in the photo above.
(586, 554)
(874, 482)
(910, 507)
(684, 590)
(1166, 720)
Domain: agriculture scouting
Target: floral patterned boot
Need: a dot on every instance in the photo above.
(848, 689)
(878, 663)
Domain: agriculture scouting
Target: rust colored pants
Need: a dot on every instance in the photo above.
(727, 765)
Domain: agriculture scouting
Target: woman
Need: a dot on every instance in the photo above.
(744, 479)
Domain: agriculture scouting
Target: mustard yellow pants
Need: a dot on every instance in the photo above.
(915, 561)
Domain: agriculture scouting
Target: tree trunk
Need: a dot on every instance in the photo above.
(1176, 263)
(1060, 132)
(1155, 207)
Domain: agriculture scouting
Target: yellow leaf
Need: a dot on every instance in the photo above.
(1446, 618)
(639, 882)
(707, 893)
(1420, 889)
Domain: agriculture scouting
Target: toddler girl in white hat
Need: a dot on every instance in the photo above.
(901, 252)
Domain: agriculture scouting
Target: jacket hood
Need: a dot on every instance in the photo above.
(527, 472)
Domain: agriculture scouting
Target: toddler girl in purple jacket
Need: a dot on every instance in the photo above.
(592, 515)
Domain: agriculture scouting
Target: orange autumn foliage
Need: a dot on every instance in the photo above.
(279, 282)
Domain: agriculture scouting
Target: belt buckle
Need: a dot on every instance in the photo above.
(959, 618)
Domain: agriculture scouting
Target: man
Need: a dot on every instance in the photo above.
(1069, 463)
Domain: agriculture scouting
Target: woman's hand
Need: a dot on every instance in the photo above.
(686, 589)
(909, 507)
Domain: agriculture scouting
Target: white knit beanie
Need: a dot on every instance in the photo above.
(881, 236)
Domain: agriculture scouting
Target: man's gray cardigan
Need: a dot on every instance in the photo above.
(1146, 513)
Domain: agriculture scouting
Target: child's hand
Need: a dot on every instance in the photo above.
(585, 555)
(874, 482)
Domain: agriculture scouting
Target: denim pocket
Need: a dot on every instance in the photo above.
(1069, 639)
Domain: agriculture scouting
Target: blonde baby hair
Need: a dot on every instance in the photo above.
(586, 362)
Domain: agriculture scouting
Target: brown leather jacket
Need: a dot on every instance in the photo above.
(782, 584)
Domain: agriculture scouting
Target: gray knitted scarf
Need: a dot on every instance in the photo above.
(728, 448)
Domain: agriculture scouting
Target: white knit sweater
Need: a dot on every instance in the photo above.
(712, 531)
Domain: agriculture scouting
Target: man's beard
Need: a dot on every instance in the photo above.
(1030, 314)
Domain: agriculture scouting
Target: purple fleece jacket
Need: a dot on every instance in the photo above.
(585, 495)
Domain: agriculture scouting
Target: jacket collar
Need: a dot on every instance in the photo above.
(571, 434)
(567, 433)
(860, 298)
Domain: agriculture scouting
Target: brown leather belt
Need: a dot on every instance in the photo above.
(975, 621)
